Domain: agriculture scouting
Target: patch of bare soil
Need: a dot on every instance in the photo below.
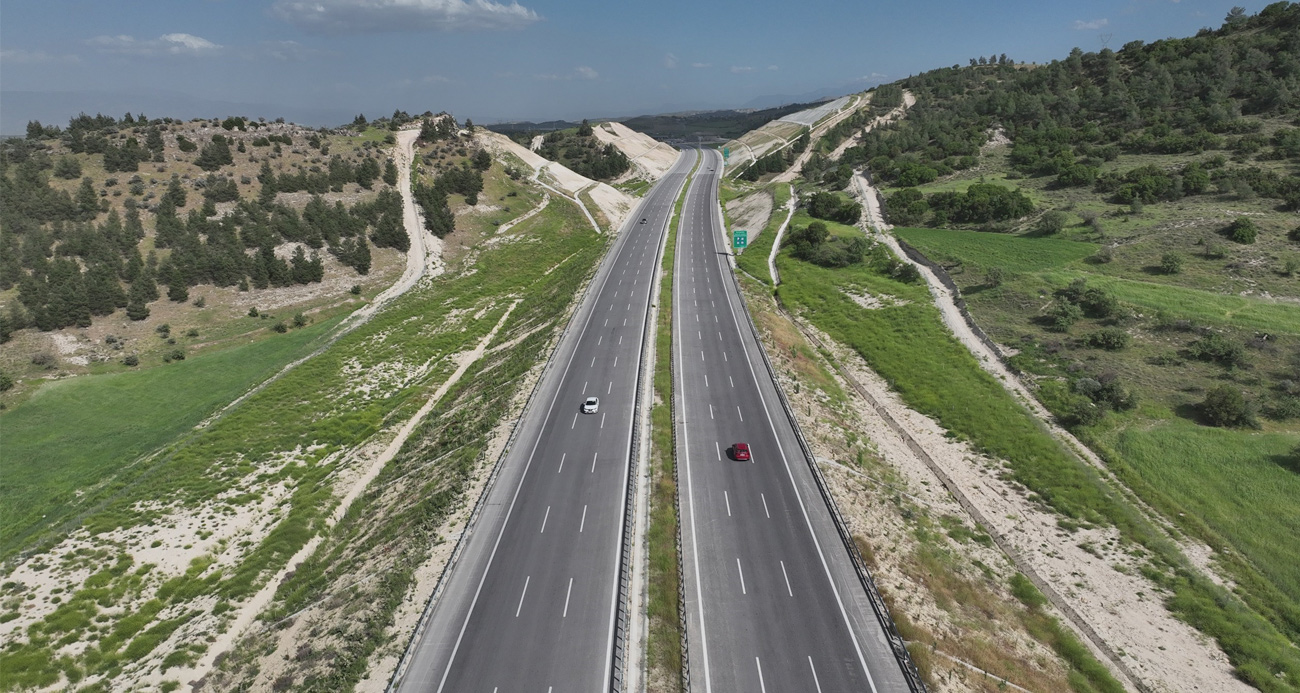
(751, 212)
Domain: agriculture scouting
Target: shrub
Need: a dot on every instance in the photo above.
(6, 382)
(174, 355)
(280, 327)
(907, 273)
(1242, 230)
(1224, 405)
(1284, 408)
(299, 320)
(1108, 338)
(131, 360)
(1171, 263)
(1219, 349)
(200, 302)
(1051, 223)
(994, 277)
(1104, 255)
(252, 312)
(1063, 315)
(355, 290)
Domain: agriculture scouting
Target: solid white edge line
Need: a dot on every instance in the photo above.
(798, 496)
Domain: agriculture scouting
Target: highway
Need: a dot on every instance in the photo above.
(531, 603)
(773, 602)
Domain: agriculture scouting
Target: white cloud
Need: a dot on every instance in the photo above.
(580, 72)
(1095, 24)
(670, 61)
(700, 65)
(736, 69)
(167, 44)
(376, 16)
(19, 56)
(773, 67)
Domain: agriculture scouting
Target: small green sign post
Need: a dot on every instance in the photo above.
(739, 239)
(726, 153)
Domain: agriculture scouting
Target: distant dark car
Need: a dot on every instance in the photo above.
(643, 221)
(740, 452)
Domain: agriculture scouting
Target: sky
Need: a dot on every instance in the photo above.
(320, 62)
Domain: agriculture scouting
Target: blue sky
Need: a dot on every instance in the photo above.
(319, 60)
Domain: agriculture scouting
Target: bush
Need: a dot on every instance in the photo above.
(1108, 338)
(174, 355)
(6, 382)
(1242, 230)
(994, 277)
(1171, 263)
(1051, 223)
(280, 327)
(1104, 255)
(355, 290)
(1063, 315)
(299, 320)
(252, 312)
(1224, 405)
(131, 360)
(1219, 349)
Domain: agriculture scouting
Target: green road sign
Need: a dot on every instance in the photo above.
(726, 152)
(739, 239)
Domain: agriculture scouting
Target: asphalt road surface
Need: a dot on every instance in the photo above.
(531, 604)
(773, 602)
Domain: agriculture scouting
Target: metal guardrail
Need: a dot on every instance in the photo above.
(897, 645)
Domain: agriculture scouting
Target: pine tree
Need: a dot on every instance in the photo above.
(175, 193)
(390, 172)
(178, 292)
(136, 301)
(87, 200)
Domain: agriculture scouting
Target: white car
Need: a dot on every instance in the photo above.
(591, 405)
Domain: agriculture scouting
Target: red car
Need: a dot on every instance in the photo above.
(740, 452)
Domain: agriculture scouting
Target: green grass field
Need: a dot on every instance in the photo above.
(987, 250)
(71, 434)
(1244, 485)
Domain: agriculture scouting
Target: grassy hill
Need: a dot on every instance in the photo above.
(1124, 222)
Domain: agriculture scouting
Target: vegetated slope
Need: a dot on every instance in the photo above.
(1180, 161)
(170, 552)
(112, 229)
(579, 150)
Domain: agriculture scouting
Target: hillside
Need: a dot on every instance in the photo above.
(1123, 224)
